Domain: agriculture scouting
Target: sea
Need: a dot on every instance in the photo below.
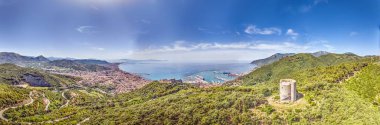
(212, 73)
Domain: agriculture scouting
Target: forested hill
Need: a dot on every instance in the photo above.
(285, 67)
(334, 88)
(276, 57)
(40, 62)
(271, 59)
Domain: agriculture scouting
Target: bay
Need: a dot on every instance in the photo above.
(189, 72)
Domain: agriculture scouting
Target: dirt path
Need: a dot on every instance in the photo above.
(25, 103)
(47, 101)
(67, 100)
(83, 121)
(31, 101)
(56, 120)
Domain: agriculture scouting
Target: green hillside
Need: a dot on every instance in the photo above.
(11, 95)
(15, 75)
(81, 65)
(286, 66)
(367, 83)
(335, 88)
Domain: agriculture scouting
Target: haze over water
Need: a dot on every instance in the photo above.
(210, 72)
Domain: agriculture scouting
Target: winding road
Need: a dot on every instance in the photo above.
(29, 102)
(67, 100)
(25, 103)
(46, 100)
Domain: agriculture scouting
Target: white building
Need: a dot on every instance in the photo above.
(288, 91)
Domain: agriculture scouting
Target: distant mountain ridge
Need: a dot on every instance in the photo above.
(92, 61)
(44, 63)
(85, 61)
(82, 65)
(320, 53)
(137, 61)
(271, 59)
(14, 58)
(278, 56)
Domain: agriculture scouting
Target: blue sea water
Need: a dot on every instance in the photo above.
(212, 73)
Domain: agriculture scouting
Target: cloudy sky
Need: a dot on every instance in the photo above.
(187, 30)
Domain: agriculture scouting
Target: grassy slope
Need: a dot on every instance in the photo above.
(329, 102)
(329, 99)
(11, 95)
(284, 68)
(279, 69)
(10, 73)
(163, 103)
(367, 83)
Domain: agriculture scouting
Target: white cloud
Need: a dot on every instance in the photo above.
(292, 34)
(353, 33)
(87, 29)
(252, 29)
(183, 51)
(182, 46)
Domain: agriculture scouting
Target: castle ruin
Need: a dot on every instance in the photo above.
(288, 91)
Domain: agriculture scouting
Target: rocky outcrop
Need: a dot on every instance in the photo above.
(35, 80)
(320, 53)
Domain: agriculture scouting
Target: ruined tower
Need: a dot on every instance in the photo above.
(288, 91)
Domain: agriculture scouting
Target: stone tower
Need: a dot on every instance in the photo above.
(288, 91)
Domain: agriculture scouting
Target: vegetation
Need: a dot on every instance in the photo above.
(335, 88)
(11, 95)
(367, 83)
(288, 65)
(37, 108)
(183, 104)
(81, 65)
(15, 75)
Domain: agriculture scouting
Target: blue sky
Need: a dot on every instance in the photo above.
(187, 30)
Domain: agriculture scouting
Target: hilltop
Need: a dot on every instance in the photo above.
(271, 59)
(278, 56)
(284, 67)
(9, 57)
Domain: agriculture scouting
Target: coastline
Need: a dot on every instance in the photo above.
(189, 72)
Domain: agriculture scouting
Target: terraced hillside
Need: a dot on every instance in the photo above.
(336, 89)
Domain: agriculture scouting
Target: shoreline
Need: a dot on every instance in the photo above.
(206, 76)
